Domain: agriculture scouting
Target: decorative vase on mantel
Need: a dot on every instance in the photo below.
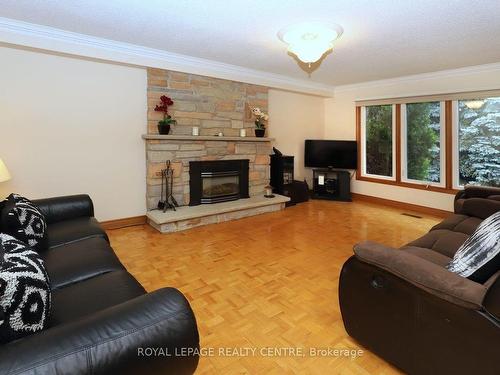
(163, 128)
(260, 133)
(260, 119)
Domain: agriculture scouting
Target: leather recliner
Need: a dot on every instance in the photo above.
(405, 306)
(102, 320)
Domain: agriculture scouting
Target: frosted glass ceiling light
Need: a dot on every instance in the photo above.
(310, 40)
(474, 104)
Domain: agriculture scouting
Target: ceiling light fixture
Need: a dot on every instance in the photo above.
(474, 104)
(309, 41)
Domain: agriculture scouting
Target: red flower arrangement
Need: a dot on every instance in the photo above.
(164, 125)
(163, 106)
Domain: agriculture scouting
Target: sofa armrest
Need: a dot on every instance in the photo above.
(65, 208)
(113, 341)
(480, 207)
(423, 274)
(492, 298)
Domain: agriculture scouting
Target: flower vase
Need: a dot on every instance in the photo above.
(163, 129)
(259, 133)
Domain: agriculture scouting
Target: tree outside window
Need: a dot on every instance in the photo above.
(479, 141)
(379, 140)
(423, 128)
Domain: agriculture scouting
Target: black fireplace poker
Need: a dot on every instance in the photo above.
(167, 200)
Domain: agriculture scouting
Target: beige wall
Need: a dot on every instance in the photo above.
(340, 121)
(70, 126)
(294, 118)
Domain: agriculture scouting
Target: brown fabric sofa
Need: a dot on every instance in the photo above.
(406, 307)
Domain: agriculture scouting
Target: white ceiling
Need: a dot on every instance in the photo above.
(382, 38)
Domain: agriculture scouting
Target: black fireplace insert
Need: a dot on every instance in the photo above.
(217, 181)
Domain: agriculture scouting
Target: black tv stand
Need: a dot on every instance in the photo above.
(332, 184)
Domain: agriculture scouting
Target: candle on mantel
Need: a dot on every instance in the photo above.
(196, 130)
(243, 133)
(269, 192)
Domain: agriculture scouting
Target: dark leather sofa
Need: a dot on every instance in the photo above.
(404, 306)
(102, 319)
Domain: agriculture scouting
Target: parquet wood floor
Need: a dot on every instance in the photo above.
(269, 281)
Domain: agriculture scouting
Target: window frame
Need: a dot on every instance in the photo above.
(450, 146)
(362, 146)
(447, 188)
(455, 172)
(442, 147)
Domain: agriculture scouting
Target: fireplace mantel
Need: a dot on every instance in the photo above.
(170, 137)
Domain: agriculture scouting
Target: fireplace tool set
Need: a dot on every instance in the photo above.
(167, 200)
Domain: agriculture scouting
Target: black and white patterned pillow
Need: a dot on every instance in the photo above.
(24, 290)
(24, 221)
(479, 256)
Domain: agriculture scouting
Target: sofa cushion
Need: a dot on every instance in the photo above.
(80, 260)
(445, 242)
(450, 222)
(459, 223)
(92, 295)
(476, 191)
(479, 257)
(472, 191)
(428, 254)
(24, 290)
(23, 220)
(480, 207)
(69, 231)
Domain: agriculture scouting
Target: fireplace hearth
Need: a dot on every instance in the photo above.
(218, 181)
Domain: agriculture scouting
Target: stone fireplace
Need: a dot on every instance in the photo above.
(183, 150)
(217, 181)
(214, 106)
(207, 168)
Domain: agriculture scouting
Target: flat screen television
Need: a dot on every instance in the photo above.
(331, 154)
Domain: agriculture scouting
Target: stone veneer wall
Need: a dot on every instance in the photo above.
(215, 106)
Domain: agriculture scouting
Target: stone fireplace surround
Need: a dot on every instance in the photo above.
(181, 150)
(178, 149)
(215, 106)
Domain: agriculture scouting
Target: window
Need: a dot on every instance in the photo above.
(423, 143)
(437, 142)
(477, 142)
(378, 146)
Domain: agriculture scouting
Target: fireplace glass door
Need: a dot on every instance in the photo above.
(214, 181)
(220, 186)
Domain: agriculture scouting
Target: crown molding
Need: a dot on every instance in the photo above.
(56, 40)
(494, 67)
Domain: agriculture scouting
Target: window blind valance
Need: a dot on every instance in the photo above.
(468, 95)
